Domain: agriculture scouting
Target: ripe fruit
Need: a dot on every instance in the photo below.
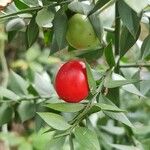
(71, 82)
(80, 33)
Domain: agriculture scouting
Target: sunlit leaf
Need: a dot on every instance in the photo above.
(54, 120)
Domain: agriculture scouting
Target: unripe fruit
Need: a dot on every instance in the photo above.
(80, 33)
(71, 82)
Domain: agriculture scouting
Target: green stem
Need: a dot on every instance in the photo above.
(117, 53)
(32, 9)
(3, 58)
(134, 65)
(117, 30)
(113, 94)
(77, 119)
(4, 72)
(149, 24)
(5, 69)
(117, 44)
(25, 99)
(106, 6)
(109, 29)
(71, 142)
(28, 10)
(79, 116)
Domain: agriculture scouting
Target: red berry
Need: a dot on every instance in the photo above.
(71, 81)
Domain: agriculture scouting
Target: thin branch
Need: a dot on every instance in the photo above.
(117, 53)
(32, 9)
(25, 99)
(106, 6)
(117, 31)
(5, 73)
(134, 65)
(109, 29)
(71, 142)
(149, 24)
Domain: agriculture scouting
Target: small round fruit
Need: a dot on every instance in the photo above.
(80, 33)
(71, 82)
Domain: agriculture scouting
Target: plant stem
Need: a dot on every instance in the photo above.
(5, 72)
(134, 65)
(109, 29)
(79, 116)
(117, 53)
(28, 10)
(106, 6)
(25, 99)
(71, 142)
(117, 30)
(149, 24)
(32, 9)
(117, 45)
(4, 68)
(113, 94)
(94, 2)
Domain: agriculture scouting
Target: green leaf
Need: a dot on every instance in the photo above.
(39, 122)
(89, 55)
(25, 145)
(91, 81)
(33, 2)
(26, 110)
(11, 35)
(79, 7)
(48, 34)
(40, 140)
(123, 147)
(110, 83)
(145, 88)
(132, 89)
(20, 4)
(115, 130)
(119, 116)
(142, 130)
(145, 49)
(60, 28)
(32, 32)
(8, 94)
(127, 40)
(87, 138)
(6, 114)
(138, 7)
(106, 107)
(43, 85)
(44, 18)
(127, 85)
(129, 17)
(56, 144)
(31, 89)
(97, 26)
(54, 120)
(65, 107)
(146, 143)
(17, 84)
(117, 83)
(99, 4)
(109, 55)
(54, 45)
(33, 53)
(15, 24)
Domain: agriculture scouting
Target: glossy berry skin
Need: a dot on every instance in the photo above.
(71, 82)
